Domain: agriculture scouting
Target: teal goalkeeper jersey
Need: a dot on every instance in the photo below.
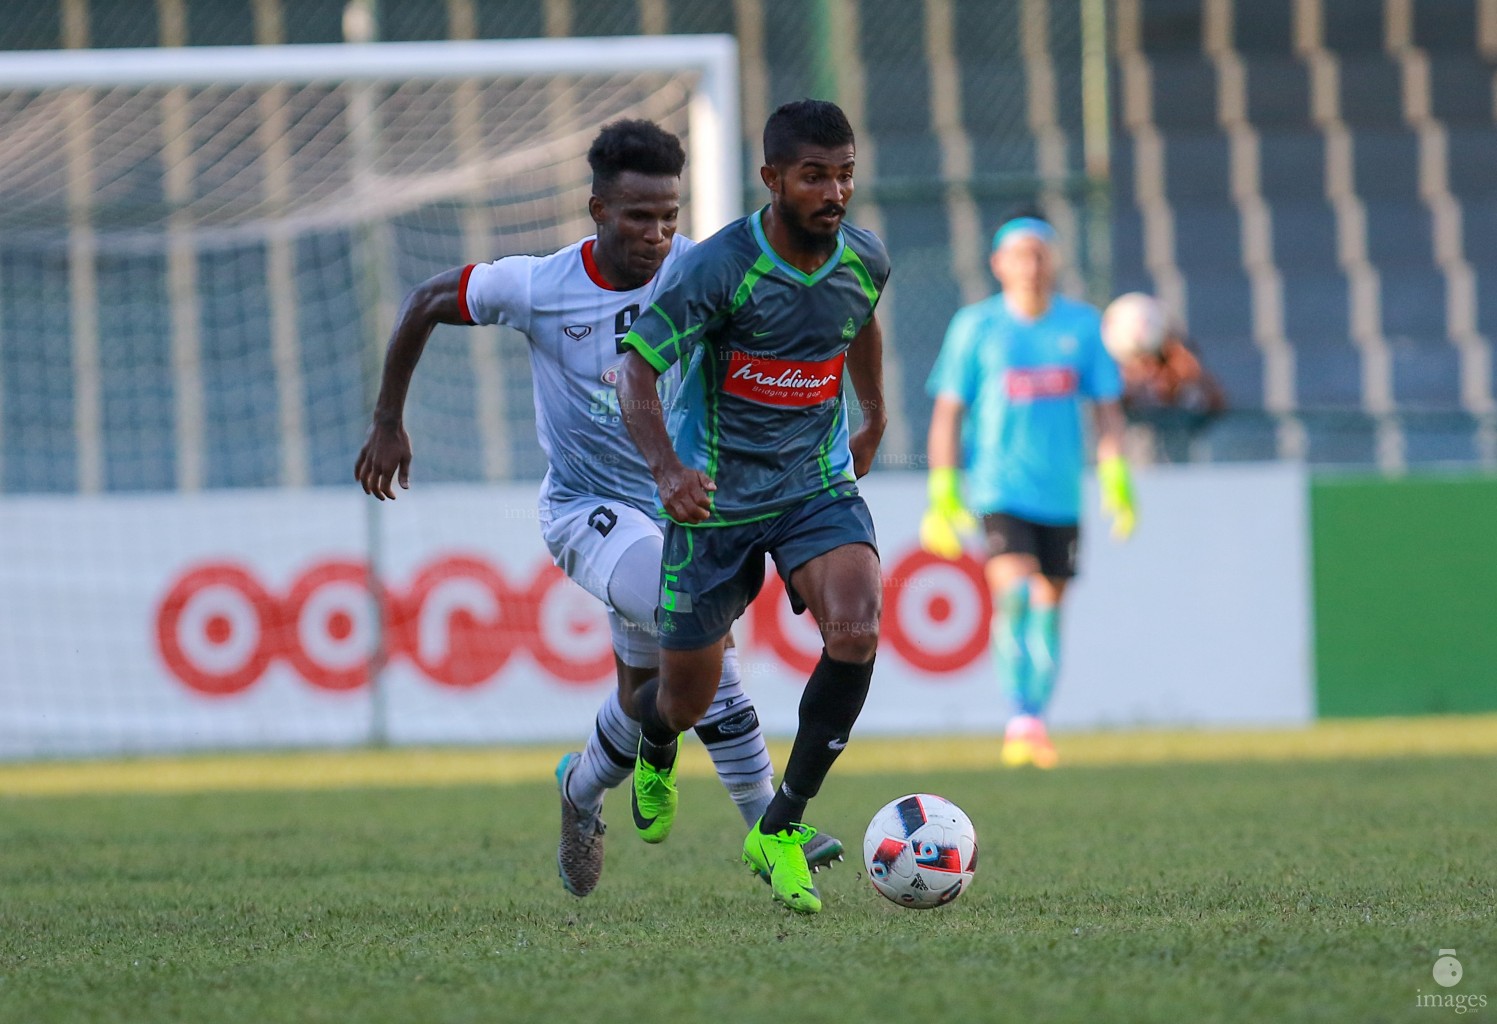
(762, 345)
(1023, 383)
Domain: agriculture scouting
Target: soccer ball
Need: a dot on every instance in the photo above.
(1132, 325)
(920, 851)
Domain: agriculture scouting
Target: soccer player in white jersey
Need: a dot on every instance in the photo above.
(597, 503)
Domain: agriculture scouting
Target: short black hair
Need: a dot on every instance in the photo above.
(804, 122)
(634, 145)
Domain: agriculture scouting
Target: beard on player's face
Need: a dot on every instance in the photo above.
(809, 227)
(812, 223)
(811, 196)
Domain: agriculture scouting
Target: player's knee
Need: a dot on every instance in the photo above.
(853, 649)
(687, 694)
(682, 711)
(853, 638)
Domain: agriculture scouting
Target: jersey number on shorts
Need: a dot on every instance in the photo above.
(602, 519)
(621, 324)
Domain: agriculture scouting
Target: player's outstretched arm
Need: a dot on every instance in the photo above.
(685, 493)
(865, 364)
(386, 455)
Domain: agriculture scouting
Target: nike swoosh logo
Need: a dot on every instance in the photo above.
(836, 744)
(762, 334)
(640, 821)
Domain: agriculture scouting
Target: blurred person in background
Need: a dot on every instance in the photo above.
(1009, 385)
(1168, 396)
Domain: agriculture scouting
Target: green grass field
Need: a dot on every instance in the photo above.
(1314, 882)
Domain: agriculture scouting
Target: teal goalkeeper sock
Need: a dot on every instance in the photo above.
(1010, 651)
(1044, 657)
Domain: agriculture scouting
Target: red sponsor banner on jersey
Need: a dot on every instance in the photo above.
(784, 382)
(1027, 383)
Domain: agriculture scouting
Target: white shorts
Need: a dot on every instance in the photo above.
(587, 536)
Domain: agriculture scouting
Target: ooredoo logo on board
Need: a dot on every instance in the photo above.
(460, 620)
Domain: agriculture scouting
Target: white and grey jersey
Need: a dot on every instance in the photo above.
(575, 323)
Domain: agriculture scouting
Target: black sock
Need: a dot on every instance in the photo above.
(829, 706)
(785, 808)
(657, 744)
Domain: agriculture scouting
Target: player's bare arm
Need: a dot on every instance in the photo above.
(865, 365)
(1110, 423)
(386, 455)
(945, 430)
(684, 493)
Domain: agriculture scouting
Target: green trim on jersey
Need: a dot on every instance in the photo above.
(708, 368)
(854, 262)
(690, 553)
(650, 352)
(849, 476)
(714, 524)
(796, 274)
(762, 266)
(649, 355)
(824, 453)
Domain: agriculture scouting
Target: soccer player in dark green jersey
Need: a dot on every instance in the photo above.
(758, 459)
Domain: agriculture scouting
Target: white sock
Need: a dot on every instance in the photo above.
(752, 798)
(608, 758)
(730, 731)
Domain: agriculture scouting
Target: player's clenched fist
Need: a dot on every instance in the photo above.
(686, 494)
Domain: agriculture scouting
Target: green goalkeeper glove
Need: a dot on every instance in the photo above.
(1117, 495)
(945, 520)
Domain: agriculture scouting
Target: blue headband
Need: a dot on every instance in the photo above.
(1023, 226)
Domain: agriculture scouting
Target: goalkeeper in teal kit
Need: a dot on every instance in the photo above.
(758, 459)
(1008, 386)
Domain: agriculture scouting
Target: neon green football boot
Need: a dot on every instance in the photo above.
(654, 800)
(780, 857)
(822, 851)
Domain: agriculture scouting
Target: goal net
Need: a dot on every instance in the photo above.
(201, 254)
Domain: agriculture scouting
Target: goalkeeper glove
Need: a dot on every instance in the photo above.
(1117, 495)
(945, 519)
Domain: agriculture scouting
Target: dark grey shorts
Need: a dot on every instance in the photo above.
(710, 574)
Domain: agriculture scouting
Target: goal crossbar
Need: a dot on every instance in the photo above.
(715, 157)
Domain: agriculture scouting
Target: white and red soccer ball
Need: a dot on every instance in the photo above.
(920, 851)
(1134, 324)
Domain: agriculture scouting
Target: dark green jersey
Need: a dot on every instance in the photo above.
(760, 407)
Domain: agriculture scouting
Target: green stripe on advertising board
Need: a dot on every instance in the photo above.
(1405, 585)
